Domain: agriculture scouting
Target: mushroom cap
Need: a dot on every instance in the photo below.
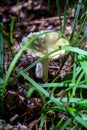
(60, 53)
(46, 43)
(51, 38)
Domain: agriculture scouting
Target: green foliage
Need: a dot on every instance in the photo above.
(74, 103)
(75, 83)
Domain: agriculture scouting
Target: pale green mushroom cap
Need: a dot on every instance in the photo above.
(51, 38)
(60, 53)
(46, 43)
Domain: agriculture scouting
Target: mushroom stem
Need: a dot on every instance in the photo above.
(41, 70)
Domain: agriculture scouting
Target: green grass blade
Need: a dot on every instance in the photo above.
(58, 11)
(74, 49)
(65, 13)
(79, 101)
(11, 36)
(81, 41)
(31, 90)
(43, 117)
(77, 82)
(11, 30)
(7, 40)
(59, 124)
(81, 28)
(74, 69)
(68, 122)
(83, 62)
(49, 2)
(76, 19)
(63, 85)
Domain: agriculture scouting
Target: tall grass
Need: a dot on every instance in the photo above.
(1, 61)
(11, 36)
(74, 103)
(76, 19)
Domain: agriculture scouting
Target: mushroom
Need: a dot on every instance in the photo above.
(45, 44)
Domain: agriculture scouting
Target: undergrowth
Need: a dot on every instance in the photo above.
(74, 104)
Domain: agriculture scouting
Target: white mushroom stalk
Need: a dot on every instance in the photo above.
(44, 44)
